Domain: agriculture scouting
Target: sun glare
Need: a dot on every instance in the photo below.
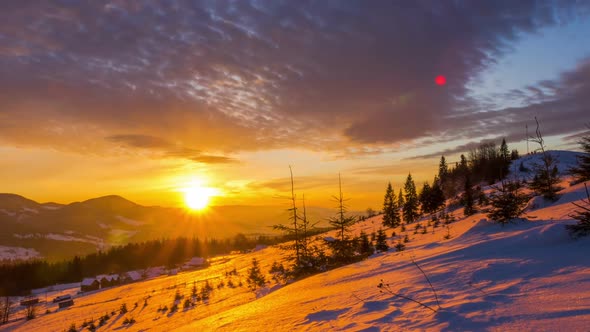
(197, 196)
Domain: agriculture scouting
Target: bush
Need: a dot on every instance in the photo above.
(73, 328)
(123, 309)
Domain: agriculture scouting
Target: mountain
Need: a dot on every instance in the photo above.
(56, 231)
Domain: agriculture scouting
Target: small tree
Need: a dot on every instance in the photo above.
(582, 228)
(468, 199)
(381, 244)
(365, 246)
(411, 201)
(546, 176)
(391, 216)
(31, 311)
(343, 247)
(582, 170)
(5, 307)
(255, 277)
(507, 202)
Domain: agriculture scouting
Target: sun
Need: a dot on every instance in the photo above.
(197, 196)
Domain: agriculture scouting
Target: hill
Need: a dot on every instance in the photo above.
(527, 275)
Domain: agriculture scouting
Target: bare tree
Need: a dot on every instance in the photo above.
(5, 307)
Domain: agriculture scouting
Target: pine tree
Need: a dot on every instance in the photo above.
(443, 169)
(468, 199)
(381, 244)
(582, 170)
(342, 248)
(582, 228)
(255, 277)
(437, 196)
(425, 198)
(365, 246)
(411, 201)
(505, 158)
(507, 202)
(391, 216)
(400, 201)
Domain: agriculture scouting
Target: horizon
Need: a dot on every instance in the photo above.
(215, 101)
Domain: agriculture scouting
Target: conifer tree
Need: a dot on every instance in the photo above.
(443, 169)
(507, 202)
(505, 158)
(582, 170)
(255, 277)
(468, 199)
(437, 195)
(425, 198)
(381, 243)
(365, 246)
(391, 216)
(582, 228)
(342, 248)
(400, 201)
(546, 176)
(411, 201)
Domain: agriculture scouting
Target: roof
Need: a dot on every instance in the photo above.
(196, 261)
(133, 275)
(88, 281)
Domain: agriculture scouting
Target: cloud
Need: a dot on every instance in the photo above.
(168, 149)
(253, 75)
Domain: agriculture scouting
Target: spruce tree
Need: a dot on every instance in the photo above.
(342, 248)
(381, 243)
(437, 195)
(255, 277)
(582, 170)
(505, 158)
(468, 199)
(546, 176)
(425, 198)
(400, 201)
(507, 202)
(390, 210)
(582, 228)
(365, 246)
(411, 201)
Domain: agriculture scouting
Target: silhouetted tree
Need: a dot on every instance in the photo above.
(255, 277)
(582, 228)
(411, 201)
(365, 246)
(582, 170)
(391, 216)
(507, 201)
(381, 244)
(468, 199)
(343, 247)
(546, 176)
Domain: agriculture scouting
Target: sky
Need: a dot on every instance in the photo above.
(142, 98)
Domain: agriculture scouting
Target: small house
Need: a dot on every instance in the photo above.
(131, 276)
(89, 284)
(66, 303)
(104, 280)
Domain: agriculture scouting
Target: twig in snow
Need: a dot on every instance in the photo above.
(385, 287)
(427, 279)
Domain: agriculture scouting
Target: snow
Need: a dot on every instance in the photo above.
(529, 275)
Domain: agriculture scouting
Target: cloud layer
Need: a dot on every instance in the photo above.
(203, 80)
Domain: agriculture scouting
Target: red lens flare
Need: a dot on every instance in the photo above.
(440, 80)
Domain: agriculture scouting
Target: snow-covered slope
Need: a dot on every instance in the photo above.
(527, 276)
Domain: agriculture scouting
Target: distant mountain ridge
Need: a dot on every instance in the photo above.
(58, 231)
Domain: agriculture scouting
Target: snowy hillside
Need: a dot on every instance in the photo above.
(565, 160)
(526, 276)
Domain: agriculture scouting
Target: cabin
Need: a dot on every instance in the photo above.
(89, 284)
(62, 298)
(104, 280)
(131, 276)
(66, 303)
(29, 301)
